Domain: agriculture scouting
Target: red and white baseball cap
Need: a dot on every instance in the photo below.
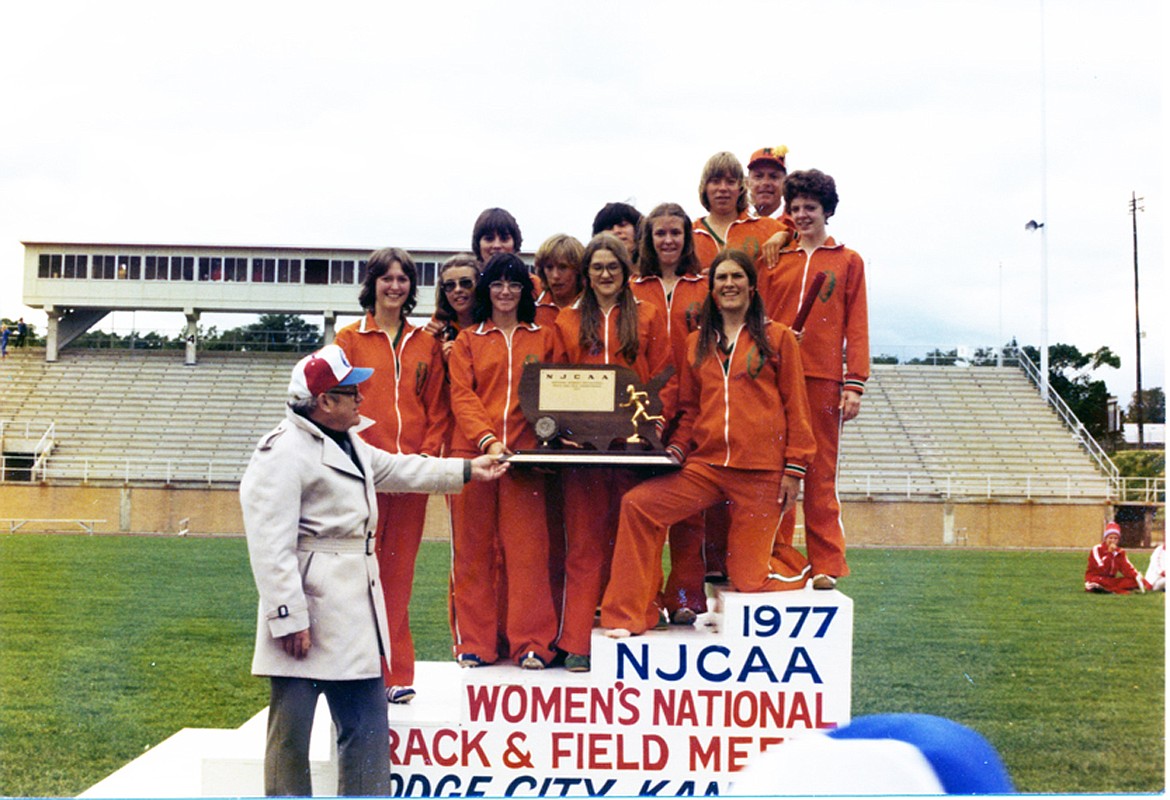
(323, 371)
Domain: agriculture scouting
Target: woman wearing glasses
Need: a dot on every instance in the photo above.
(606, 326)
(408, 403)
(485, 367)
(454, 299)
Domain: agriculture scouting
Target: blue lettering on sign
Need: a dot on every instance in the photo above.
(701, 664)
(763, 622)
(684, 789)
(714, 663)
(528, 786)
(446, 786)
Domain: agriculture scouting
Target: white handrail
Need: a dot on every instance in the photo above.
(43, 448)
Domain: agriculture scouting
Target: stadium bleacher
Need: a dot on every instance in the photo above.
(117, 412)
(925, 432)
(961, 430)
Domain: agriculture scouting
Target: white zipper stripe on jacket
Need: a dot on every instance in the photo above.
(398, 382)
(508, 394)
(605, 324)
(808, 254)
(669, 298)
(727, 397)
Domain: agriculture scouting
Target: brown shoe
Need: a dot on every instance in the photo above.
(824, 582)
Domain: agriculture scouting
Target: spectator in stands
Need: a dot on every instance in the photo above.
(623, 221)
(310, 528)
(411, 415)
(730, 224)
(836, 329)
(1109, 570)
(505, 519)
(1156, 571)
(4, 339)
(558, 265)
(21, 332)
(454, 300)
(744, 437)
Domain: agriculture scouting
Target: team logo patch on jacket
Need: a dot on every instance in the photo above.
(755, 362)
(421, 370)
(830, 284)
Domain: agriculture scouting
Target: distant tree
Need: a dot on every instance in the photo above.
(279, 332)
(151, 340)
(1141, 463)
(884, 359)
(938, 357)
(1153, 406)
(1070, 376)
(986, 356)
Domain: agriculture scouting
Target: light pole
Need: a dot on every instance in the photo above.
(1137, 319)
(1033, 225)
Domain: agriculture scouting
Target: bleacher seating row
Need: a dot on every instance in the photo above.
(924, 431)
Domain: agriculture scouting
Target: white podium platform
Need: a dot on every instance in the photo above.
(673, 712)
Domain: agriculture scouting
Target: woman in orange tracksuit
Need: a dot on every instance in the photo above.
(485, 367)
(670, 279)
(606, 326)
(407, 400)
(558, 266)
(836, 330)
(745, 412)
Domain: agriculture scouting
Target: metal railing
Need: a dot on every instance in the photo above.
(971, 487)
(43, 447)
(917, 486)
(112, 469)
(21, 430)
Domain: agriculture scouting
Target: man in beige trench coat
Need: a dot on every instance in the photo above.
(310, 514)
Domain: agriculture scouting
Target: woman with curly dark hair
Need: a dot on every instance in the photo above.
(508, 520)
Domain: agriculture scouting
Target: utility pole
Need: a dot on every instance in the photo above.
(1137, 318)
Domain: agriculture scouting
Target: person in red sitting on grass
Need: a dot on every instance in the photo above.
(1109, 570)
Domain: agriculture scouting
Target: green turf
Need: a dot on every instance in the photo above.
(110, 644)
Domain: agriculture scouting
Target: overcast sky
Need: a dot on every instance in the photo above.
(367, 125)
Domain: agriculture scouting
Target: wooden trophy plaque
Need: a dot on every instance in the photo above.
(592, 415)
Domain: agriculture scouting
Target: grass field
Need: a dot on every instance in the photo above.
(110, 644)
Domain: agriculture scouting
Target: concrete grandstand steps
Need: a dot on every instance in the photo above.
(962, 424)
(148, 406)
(921, 426)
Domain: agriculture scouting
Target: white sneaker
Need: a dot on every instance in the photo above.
(400, 695)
